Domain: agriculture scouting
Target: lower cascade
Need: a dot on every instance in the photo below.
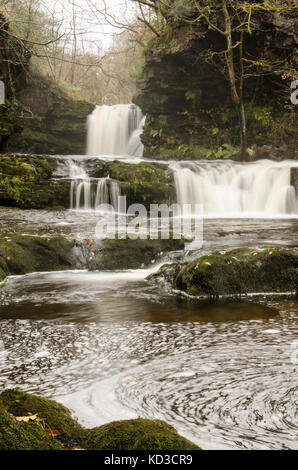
(115, 130)
(227, 188)
(91, 193)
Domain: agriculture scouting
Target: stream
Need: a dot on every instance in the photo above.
(111, 346)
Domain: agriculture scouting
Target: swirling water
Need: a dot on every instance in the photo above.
(109, 346)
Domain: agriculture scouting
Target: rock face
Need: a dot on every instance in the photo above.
(14, 60)
(38, 116)
(236, 272)
(52, 427)
(50, 122)
(187, 100)
(294, 179)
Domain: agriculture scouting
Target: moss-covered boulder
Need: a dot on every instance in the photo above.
(129, 254)
(236, 272)
(137, 434)
(143, 183)
(53, 415)
(20, 254)
(25, 182)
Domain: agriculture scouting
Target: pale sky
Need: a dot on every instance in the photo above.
(93, 26)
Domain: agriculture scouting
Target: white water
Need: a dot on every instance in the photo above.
(232, 189)
(115, 130)
(89, 193)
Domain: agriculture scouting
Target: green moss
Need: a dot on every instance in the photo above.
(240, 271)
(21, 254)
(143, 183)
(138, 434)
(16, 435)
(53, 415)
(25, 182)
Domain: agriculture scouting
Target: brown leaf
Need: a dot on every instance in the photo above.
(26, 419)
(52, 432)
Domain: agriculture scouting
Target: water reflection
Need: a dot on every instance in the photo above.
(112, 297)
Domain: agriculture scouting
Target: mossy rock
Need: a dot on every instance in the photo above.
(137, 434)
(21, 254)
(16, 435)
(129, 254)
(53, 415)
(143, 183)
(26, 182)
(240, 271)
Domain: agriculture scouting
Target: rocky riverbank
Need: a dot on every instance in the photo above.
(22, 254)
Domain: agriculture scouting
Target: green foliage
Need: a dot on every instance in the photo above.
(226, 151)
(156, 133)
(262, 114)
(183, 149)
(190, 95)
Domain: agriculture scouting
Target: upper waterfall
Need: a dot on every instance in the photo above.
(115, 130)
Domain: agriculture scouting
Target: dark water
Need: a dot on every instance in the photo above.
(108, 297)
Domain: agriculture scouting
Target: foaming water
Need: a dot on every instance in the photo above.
(231, 189)
(115, 130)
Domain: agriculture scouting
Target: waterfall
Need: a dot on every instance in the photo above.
(89, 193)
(228, 189)
(115, 130)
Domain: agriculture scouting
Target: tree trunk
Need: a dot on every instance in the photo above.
(237, 97)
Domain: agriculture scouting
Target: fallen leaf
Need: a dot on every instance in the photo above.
(52, 432)
(26, 419)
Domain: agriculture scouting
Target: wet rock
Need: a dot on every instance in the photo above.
(137, 434)
(129, 254)
(20, 254)
(143, 183)
(235, 272)
(294, 179)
